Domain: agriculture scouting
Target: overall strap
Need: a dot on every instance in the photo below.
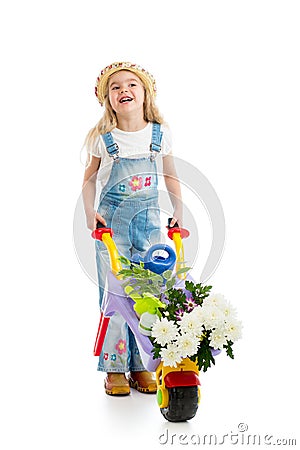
(155, 145)
(112, 147)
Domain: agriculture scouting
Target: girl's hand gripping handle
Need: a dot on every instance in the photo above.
(104, 234)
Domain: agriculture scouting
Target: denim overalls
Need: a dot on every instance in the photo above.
(129, 204)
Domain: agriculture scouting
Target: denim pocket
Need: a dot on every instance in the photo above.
(104, 210)
(152, 225)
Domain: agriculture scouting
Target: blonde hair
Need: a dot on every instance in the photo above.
(109, 120)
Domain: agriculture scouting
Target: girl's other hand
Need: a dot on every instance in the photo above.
(92, 220)
(174, 220)
(99, 218)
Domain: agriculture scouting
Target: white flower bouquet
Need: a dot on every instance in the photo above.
(189, 322)
(194, 324)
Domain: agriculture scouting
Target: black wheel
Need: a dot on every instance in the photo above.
(183, 404)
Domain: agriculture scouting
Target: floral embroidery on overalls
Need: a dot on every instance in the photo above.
(136, 183)
(148, 181)
(132, 175)
(121, 346)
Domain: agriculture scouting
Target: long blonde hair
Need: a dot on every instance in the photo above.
(109, 120)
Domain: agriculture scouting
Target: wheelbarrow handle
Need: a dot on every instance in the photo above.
(176, 234)
(105, 235)
(169, 223)
(100, 225)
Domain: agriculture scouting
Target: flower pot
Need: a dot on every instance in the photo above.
(146, 322)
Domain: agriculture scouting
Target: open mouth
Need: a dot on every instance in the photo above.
(126, 99)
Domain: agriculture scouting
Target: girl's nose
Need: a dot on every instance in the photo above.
(123, 89)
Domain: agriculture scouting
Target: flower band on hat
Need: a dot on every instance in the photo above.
(102, 80)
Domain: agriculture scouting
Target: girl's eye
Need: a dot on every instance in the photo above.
(132, 85)
(114, 88)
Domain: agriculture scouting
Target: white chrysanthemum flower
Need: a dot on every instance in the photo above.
(233, 329)
(171, 355)
(164, 331)
(218, 338)
(198, 314)
(188, 344)
(191, 324)
(217, 300)
(228, 310)
(213, 317)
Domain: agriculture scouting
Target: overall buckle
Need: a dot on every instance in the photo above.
(116, 157)
(154, 150)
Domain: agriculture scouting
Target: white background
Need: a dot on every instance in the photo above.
(228, 84)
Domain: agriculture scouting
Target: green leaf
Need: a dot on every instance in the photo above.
(128, 290)
(124, 260)
(198, 291)
(204, 356)
(183, 270)
(229, 350)
(170, 283)
(156, 351)
(125, 272)
(167, 274)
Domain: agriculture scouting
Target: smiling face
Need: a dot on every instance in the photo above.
(126, 92)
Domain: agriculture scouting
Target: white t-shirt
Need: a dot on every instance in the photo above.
(132, 144)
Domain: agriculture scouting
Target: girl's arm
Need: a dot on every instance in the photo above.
(89, 192)
(173, 187)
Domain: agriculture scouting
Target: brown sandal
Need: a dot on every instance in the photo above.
(116, 384)
(143, 382)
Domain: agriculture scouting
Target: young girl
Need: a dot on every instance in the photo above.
(125, 144)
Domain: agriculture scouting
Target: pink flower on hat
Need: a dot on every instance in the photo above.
(136, 183)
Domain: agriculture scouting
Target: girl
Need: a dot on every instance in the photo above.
(125, 144)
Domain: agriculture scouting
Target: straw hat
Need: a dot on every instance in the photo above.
(102, 80)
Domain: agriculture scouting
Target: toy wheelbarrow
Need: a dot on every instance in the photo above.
(178, 389)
